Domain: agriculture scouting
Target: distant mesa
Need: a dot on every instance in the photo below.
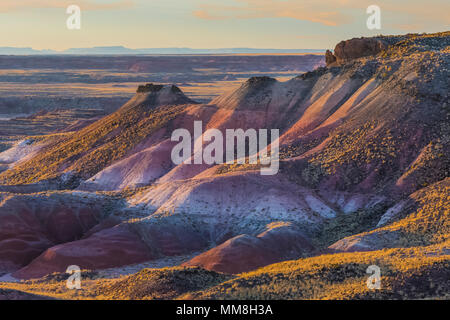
(330, 58)
(356, 48)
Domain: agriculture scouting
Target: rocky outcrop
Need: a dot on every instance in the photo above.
(357, 48)
(354, 49)
(149, 87)
(329, 58)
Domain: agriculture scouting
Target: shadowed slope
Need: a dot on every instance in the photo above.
(281, 241)
(29, 224)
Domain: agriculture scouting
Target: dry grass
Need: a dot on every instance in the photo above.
(414, 273)
(405, 273)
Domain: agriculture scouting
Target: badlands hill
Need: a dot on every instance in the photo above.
(364, 167)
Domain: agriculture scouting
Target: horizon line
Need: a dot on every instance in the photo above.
(24, 50)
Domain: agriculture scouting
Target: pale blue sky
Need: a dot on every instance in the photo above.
(296, 24)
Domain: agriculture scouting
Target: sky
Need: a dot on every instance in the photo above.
(277, 24)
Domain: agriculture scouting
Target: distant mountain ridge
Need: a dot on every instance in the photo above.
(121, 50)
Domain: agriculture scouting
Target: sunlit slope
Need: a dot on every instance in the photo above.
(84, 153)
(147, 284)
